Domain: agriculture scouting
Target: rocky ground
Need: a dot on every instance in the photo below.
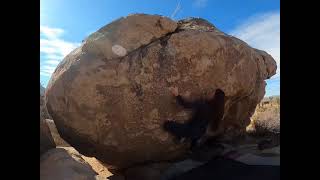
(95, 164)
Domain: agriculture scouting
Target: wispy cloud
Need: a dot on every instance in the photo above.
(47, 70)
(53, 48)
(53, 62)
(176, 10)
(263, 32)
(200, 3)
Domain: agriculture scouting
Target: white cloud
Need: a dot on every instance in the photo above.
(200, 3)
(56, 47)
(50, 33)
(53, 62)
(262, 32)
(53, 48)
(47, 70)
(53, 56)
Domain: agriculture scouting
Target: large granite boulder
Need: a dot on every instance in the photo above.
(109, 97)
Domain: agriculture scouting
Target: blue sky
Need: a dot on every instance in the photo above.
(64, 24)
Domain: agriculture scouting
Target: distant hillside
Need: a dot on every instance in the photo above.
(270, 97)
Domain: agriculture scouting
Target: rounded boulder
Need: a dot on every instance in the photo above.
(110, 96)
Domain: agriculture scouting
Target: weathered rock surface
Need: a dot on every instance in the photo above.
(42, 89)
(46, 140)
(43, 109)
(109, 97)
(65, 163)
(96, 165)
(55, 134)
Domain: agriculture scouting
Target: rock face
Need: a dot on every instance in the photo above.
(43, 110)
(42, 89)
(109, 97)
(55, 134)
(46, 140)
(65, 163)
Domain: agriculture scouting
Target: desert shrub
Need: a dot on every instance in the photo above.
(266, 118)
